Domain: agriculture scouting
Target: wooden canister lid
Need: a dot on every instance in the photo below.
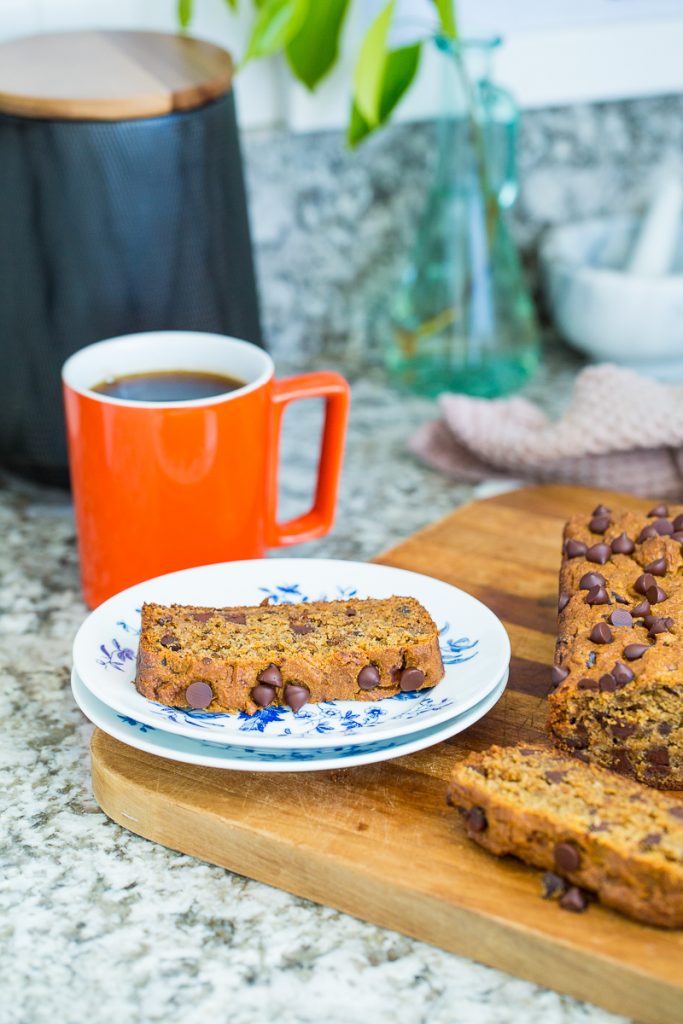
(109, 76)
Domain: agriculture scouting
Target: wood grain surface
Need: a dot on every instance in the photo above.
(384, 846)
(109, 75)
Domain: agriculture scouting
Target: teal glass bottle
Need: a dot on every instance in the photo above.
(461, 318)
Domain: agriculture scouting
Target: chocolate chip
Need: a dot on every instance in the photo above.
(575, 548)
(663, 526)
(351, 611)
(271, 676)
(660, 625)
(553, 886)
(620, 617)
(301, 628)
(600, 826)
(199, 695)
(239, 618)
(599, 553)
(163, 620)
(368, 678)
(676, 812)
(202, 616)
(601, 633)
(597, 595)
(411, 679)
(587, 684)
(623, 674)
(641, 609)
(621, 762)
(264, 603)
(619, 598)
(657, 568)
(566, 857)
(659, 510)
(263, 695)
(634, 651)
(664, 728)
(579, 741)
(677, 536)
(658, 756)
(646, 533)
(608, 683)
(601, 510)
(558, 674)
(655, 594)
(643, 582)
(296, 696)
(562, 602)
(678, 523)
(622, 730)
(574, 900)
(476, 820)
(650, 840)
(170, 641)
(555, 777)
(623, 545)
(598, 524)
(591, 579)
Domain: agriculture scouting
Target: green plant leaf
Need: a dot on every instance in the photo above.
(184, 11)
(369, 71)
(313, 50)
(277, 21)
(446, 10)
(232, 4)
(358, 127)
(400, 68)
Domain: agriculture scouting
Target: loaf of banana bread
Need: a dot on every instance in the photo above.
(247, 658)
(587, 825)
(618, 675)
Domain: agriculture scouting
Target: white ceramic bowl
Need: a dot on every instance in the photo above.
(610, 315)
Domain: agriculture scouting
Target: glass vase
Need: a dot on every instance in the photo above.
(461, 318)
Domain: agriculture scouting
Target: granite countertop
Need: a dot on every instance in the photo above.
(99, 925)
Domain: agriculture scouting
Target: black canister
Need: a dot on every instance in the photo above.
(122, 209)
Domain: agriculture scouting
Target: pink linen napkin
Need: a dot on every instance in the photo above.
(620, 431)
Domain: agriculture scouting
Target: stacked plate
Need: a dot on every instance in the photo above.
(333, 734)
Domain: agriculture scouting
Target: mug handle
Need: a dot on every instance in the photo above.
(319, 518)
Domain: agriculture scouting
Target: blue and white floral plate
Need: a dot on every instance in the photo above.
(475, 648)
(258, 759)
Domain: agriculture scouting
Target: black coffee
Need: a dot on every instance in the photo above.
(168, 386)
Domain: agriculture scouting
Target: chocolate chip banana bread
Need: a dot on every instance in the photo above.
(588, 825)
(618, 675)
(246, 658)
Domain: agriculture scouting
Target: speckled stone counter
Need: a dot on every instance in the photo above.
(102, 927)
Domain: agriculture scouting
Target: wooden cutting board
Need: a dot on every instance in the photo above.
(379, 842)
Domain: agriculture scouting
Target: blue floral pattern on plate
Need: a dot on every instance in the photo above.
(474, 647)
(326, 717)
(226, 755)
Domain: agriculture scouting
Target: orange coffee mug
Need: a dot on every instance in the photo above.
(160, 486)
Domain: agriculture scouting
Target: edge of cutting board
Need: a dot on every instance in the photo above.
(426, 879)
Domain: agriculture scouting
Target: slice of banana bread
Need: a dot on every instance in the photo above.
(246, 658)
(618, 670)
(590, 826)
